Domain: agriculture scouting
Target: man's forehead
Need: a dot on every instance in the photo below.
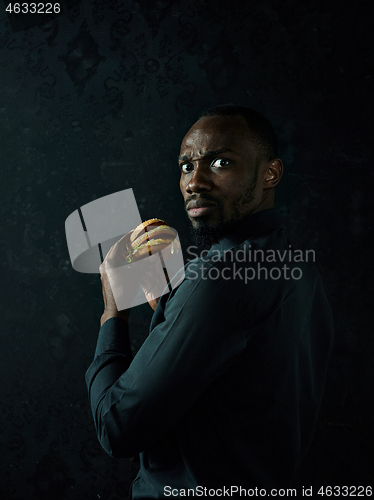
(216, 133)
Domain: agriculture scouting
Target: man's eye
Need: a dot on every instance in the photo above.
(186, 167)
(220, 162)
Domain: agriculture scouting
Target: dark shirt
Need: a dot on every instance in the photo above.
(225, 390)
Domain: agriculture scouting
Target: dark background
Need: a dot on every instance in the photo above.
(96, 100)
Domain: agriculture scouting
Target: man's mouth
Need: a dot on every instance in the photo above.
(197, 208)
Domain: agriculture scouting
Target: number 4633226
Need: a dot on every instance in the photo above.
(33, 8)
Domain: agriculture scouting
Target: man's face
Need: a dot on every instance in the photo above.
(219, 170)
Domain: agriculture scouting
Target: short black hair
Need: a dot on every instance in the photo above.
(264, 140)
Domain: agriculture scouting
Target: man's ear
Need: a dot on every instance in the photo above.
(273, 171)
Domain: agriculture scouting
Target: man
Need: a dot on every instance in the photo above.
(224, 393)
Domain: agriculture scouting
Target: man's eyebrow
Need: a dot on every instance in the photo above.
(207, 154)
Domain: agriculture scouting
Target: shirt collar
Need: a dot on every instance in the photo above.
(257, 224)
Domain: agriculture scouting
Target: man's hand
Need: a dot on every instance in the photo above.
(113, 259)
(110, 307)
(151, 278)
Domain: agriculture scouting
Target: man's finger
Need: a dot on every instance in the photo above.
(117, 253)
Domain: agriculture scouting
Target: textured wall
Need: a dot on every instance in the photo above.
(97, 100)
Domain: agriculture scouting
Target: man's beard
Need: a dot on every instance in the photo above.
(206, 234)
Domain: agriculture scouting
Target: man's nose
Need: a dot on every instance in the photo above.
(199, 181)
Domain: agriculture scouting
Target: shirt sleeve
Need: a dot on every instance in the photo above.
(136, 402)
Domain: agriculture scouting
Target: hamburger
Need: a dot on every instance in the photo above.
(150, 237)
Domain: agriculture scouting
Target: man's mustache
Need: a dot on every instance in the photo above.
(204, 198)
